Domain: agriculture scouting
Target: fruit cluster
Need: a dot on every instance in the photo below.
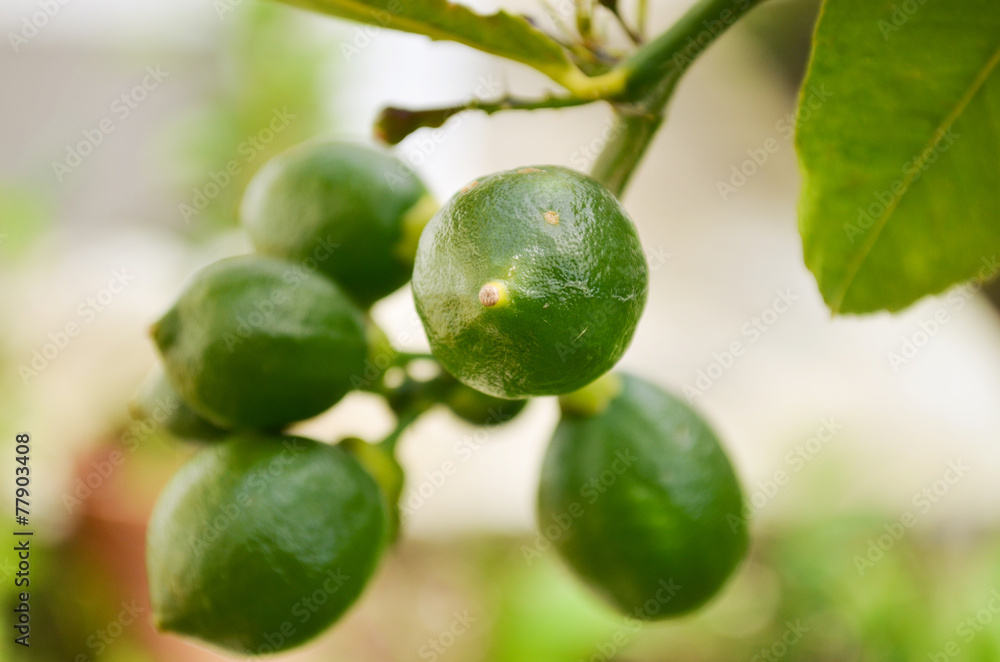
(529, 282)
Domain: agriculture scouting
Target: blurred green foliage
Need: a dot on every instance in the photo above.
(25, 214)
(802, 594)
(799, 598)
(274, 76)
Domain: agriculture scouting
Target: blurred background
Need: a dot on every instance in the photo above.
(868, 447)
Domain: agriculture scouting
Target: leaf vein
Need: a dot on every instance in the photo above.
(876, 230)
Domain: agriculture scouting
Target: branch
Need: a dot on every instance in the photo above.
(394, 124)
(651, 74)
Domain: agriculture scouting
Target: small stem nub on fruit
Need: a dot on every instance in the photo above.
(489, 295)
(492, 293)
(593, 398)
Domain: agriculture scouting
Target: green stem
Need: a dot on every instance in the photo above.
(640, 21)
(631, 134)
(403, 421)
(673, 51)
(634, 35)
(651, 74)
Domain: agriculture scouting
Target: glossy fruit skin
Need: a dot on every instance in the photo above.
(567, 264)
(353, 209)
(157, 400)
(249, 529)
(657, 515)
(258, 343)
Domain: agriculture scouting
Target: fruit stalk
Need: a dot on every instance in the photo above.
(403, 421)
(631, 134)
(652, 73)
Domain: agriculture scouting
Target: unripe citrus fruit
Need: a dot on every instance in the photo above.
(353, 210)
(530, 282)
(381, 465)
(258, 544)
(158, 401)
(477, 408)
(648, 509)
(256, 342)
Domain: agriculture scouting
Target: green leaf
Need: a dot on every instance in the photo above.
(899, 144)
(501, 34)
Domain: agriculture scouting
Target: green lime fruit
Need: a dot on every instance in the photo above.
(158, 401)
(530, 282)
(258, 343)
(258, 544)
(350, 211)
(641, 501)
(381, 356)
(382, 465)
(477, 408)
